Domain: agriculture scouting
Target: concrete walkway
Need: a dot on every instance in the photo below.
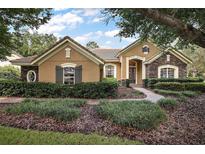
(151, 96)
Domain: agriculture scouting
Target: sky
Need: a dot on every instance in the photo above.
(84, 25)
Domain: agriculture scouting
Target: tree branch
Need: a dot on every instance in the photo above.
(187, 32)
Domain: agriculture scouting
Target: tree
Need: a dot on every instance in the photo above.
(198, 65)
(35, 43)
(92, 45)
(12, 21)
(185, 26)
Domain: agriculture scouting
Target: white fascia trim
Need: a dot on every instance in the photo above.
(21, 64)
(137, 57)
(176, 70)
(115, 69)
(181, 55)
(124, 50)
(46, 53)
(87, 54)
(68, 65)
(154, 58)
(84, 52)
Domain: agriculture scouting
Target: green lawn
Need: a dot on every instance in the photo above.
(14, 136)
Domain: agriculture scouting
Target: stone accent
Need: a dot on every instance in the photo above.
(152, 68)
(25, 69)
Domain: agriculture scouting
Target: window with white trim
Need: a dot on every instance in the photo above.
(145, 49)
(110, 71)
(69, 75)
(167, 73)
(31, 76)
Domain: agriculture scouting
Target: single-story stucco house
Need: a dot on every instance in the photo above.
(69, 62)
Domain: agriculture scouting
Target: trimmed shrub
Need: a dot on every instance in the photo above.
(149, 83)
(170, 86)
(52, 90)
(109, 80)
(142, 115)
(65, 110)
(195, 86)
(177, 93)
(167, 103)
(181, 86)
(167, 92)
(9, 73)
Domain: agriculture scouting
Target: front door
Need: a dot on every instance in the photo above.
(132, 74)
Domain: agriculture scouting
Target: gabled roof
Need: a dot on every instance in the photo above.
(176, 53)
(107, 54)
(24, 60)
(34, 60)
(138, 41)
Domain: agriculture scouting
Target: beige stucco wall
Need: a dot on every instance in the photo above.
(90, 70)
(118, 67)
(137, 51)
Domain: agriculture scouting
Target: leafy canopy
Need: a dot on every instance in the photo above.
(92, 45)
(12, 21)
(35, 43)
(184, 27)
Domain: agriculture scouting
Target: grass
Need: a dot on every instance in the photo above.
(177, 93)
(61, 109)
(142, 115)
(167, 103)
(13, 136)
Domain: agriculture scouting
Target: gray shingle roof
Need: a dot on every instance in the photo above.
(106, 54)
(24, 59)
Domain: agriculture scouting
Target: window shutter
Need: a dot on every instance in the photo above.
(78, 74)
(59, 74)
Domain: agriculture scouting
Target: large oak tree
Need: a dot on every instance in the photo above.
(12, 21)
(183, 26)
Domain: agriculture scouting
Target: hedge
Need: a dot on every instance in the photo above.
(149, 83)
(200, 86)
(52, 90)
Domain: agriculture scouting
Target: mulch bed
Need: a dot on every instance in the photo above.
(124, 92)
(185, 125)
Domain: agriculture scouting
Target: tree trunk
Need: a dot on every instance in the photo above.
(185, 31)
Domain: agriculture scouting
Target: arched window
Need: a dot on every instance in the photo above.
(31, 76)
(168, 71)
(69, 73)
(145, 49)
(110, 71)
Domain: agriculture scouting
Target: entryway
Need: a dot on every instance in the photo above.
(132, 74)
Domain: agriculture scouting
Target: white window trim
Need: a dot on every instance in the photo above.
(115, 70)
(68, 65)
(176, 70)
(27, 75)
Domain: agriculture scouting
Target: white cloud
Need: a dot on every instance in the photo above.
(60, 22)
(86, 12)
(129, 39)
(107, 42)
(60, 9)
(84, 37)
(97, 19)
(112, 33)
(99, 33)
